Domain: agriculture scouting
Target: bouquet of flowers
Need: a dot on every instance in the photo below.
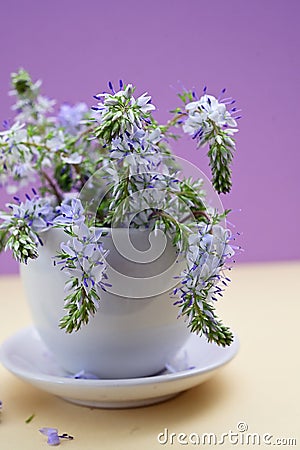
(111, 167)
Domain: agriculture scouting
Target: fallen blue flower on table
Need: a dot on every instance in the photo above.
(83, 375)
(53, 436)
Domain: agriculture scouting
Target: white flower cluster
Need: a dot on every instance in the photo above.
(21, 152)
(207, 253)
(204, 115)
(37, 212)
(24, 223)
(139, 152)
(34, 108)
(85, 260)
(120, 112)
(16, 158)
(71, 116)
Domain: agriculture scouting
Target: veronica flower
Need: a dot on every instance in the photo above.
(73, 158)
(44, 105)
(16, 157)
(24, 223)
(222, 237)
(120, 112)
(56, 142)
(70, 212)
(70, 116)
(37, 212)
(83, 375)
(209, 122)
(179, 364)
(208, 251)
(140, 152)
(210, 246)
(31, 107)
(112, 173)
(16, 133)
(34, 113)
(83, 257)
(53, 438)
(206, 113)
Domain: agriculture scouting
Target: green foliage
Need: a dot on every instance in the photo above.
(202, 319)
(220, 156)
(22, 241)
(79, 308)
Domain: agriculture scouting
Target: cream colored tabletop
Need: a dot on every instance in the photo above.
(259, 389)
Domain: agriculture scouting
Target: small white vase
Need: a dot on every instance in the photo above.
(136, 328)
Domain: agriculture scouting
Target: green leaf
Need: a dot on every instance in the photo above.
(30, 418)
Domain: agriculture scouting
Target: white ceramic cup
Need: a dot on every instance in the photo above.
(136, 328)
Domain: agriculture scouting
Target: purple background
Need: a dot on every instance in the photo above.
(252, 48)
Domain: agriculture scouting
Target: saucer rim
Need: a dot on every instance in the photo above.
(232, 350)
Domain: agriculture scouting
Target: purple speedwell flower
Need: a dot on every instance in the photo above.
(120, 112)
(83, 375)
(70, 212)
(139, 151)
(179, 364)
(84, 259)
(208, 252)
(36, 212)
(70, 117)
(24, 223)
(53, 436)
(206, 113)
(16, 159)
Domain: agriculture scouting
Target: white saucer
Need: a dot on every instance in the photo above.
(25, 355)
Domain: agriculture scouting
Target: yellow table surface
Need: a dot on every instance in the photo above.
(260, 387)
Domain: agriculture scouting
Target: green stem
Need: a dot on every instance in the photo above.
(33, 144)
